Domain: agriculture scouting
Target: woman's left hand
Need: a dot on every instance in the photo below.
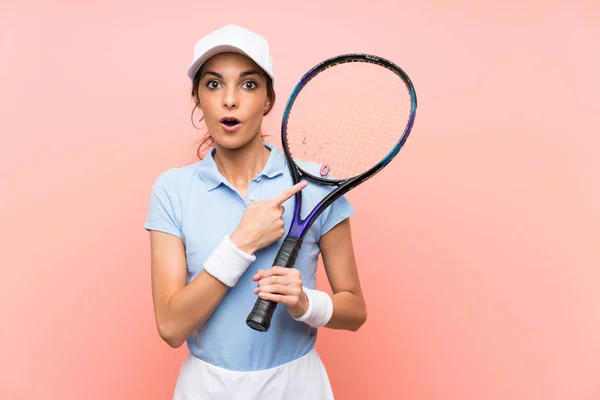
(282, 285)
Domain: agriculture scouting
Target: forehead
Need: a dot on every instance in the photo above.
(229, 61)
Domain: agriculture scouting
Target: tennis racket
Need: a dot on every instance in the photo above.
(346, 119)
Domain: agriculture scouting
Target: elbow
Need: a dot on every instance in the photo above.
(170, 335)
(357, 320)
(174, 342)
(360, 320)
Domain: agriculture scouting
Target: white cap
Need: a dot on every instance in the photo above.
(232, 38)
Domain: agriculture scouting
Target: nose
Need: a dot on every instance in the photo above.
(230, 100)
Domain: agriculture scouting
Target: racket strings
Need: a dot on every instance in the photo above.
(348, 118)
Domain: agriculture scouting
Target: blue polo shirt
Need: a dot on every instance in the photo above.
(198, 205)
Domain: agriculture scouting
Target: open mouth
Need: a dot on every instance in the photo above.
(230, 121)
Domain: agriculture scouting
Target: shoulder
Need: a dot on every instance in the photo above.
(181, 175)
(176, 179)
(173, 185)
(167, 201)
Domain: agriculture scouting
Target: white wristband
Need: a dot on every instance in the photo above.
(320, 308)
(227, 262)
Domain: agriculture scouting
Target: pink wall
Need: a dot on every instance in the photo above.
(480, 263)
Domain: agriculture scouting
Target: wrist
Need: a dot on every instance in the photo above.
(243, 243)
(227, 263)
(319, 310)
(302, 307)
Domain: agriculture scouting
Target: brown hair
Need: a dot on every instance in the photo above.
(207, 141)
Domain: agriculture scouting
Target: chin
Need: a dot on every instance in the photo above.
(232, 141)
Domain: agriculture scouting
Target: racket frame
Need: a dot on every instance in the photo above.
(300, 226)
(260, 317)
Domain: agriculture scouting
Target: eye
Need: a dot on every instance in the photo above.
(213, 84)
(250, 85)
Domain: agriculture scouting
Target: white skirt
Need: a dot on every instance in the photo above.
(301, 379)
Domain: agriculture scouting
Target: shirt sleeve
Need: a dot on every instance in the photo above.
(335, 213)
(164, 211)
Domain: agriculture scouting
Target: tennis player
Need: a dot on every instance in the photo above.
(215, 228)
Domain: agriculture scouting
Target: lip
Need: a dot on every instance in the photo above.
(230, 128)
(229, 117)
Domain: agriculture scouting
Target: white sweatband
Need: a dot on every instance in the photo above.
(227, 262)
(320, 308)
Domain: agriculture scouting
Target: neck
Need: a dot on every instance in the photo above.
(240, 166)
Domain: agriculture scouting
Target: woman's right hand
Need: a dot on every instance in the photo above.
(262, 223)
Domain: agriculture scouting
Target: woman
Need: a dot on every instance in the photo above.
(215, 228)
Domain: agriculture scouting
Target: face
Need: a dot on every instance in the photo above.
(232, 93)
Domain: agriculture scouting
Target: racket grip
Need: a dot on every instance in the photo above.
(260, 317)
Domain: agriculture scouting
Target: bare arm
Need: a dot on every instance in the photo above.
(179, 309)
(349, 308)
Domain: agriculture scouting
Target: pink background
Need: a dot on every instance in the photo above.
(479, 260)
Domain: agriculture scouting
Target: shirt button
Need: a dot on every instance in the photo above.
(258, 179)
(252, 197)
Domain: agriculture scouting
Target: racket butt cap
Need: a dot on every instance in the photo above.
(260, 317)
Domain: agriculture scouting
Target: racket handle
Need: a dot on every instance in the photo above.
(260, 317)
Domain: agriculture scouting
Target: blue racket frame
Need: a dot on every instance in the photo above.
(300, 226)
(260, 317)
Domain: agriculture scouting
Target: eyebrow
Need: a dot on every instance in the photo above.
(242, 74)
(251, 72)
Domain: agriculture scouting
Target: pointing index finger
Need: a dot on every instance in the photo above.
(279, 200)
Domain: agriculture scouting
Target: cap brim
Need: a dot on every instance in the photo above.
(195, 66)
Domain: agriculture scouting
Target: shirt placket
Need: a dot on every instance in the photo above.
(254, 189)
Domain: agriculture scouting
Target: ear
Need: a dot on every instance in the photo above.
(267, 106)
